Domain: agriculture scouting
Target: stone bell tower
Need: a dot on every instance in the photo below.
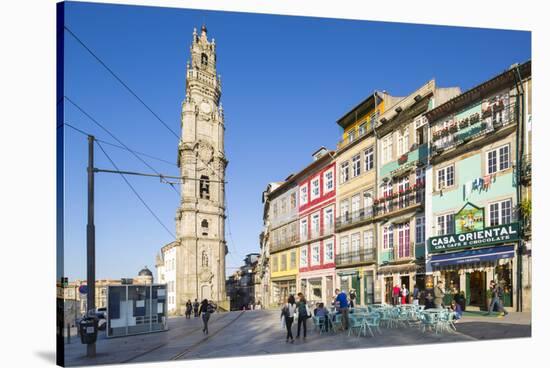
(200, 219)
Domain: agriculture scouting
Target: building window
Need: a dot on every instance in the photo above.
(344, 172)
(204, 259)
(498, 159)
(500, 213)
(368, 239)
(283, 262)
(445, 177)
(355, 245)
(329, 180)
(355, 204)
(315, 254)
(344, 210)
(204, 227)
(403, 231)
(275, 263)
(315, 188)
(369, 158)
(329, 220)
(292, 260)
(303, 229)
(403, 141)
(303, 256)
(445, 224)
(283, 205)
(387, 235)
(351, 135)
(367, 202)
(403, 186)
(204, 59)
(303, 195)
(329, 251)
(420, 230)
(315, 225)
(204, 187)
(344, 245)
(356, 160)
(293, 200)
(387, 146)
(362, 129)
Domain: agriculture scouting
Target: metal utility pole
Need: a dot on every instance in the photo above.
(90, 239)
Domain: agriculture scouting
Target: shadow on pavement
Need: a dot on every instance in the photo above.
(489, 331)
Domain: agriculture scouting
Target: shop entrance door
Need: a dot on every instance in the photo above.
(478, 284)
(283, 294)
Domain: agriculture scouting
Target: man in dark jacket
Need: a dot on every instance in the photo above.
(496, 295)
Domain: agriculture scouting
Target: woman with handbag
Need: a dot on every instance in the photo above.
(287, 313)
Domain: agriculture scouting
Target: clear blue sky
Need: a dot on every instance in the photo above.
(286, 80)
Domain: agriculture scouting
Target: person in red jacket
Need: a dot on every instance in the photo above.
(395, 294)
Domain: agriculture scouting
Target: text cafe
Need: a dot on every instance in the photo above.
(467, 260)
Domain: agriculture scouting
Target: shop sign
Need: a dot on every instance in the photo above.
(480, 238)
(469, 218)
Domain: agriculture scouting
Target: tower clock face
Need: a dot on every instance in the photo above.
(205, 108)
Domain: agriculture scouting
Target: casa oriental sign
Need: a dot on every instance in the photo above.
(480, 238)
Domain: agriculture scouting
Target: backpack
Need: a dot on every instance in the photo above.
(209, 308)
(286, 311)
(302, 310)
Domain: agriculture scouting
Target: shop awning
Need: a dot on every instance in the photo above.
(389, 269)
(284, 278)
(348, 273)
(473, 256)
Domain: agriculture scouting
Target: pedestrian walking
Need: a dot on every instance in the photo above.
(404, 294)
(287, 314)
(206, 309)
(439, 294)
(188, 309)
(343, 307)
(303, 315)
(352, 297)
(416, 295)
(496, 299)
(395, 294)
(196, 308)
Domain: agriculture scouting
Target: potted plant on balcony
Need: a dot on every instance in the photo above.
(499, 106)
(401, 160)
(463, 123)
(483, 125)
(453, 129)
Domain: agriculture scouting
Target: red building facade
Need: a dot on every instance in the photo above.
(317, 242)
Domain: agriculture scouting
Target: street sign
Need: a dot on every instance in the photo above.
(83, 289)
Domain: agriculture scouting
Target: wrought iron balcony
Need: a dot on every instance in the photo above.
(462, 131)
(526, 169)
(397, 202)
(286, 243)
(399, 253)
(356, 257)
(354, 217)
(354, 137)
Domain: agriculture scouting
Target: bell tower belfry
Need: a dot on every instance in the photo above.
(200, 218)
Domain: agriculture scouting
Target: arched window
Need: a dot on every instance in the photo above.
(204, 59)
(204, 259)
(204, 189)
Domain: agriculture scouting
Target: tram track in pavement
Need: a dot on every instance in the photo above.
(207, 337)
(183, 334)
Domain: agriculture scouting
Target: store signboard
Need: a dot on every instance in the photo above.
(469, 218)
(479, 238)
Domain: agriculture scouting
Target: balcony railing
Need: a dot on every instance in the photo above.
(285, 243)
(526, 169)
(474, 126)
(355, 217)
(356, 257)
(411, 197)
(355, 136)
(399, 252)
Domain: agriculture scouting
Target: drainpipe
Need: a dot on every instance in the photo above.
(519, 147)
(376, 174)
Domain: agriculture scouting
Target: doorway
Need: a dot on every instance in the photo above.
(478, 286)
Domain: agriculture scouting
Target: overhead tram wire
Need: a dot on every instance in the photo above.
(135, 192)
(120, 81)
(115, 138)
(117, 146)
